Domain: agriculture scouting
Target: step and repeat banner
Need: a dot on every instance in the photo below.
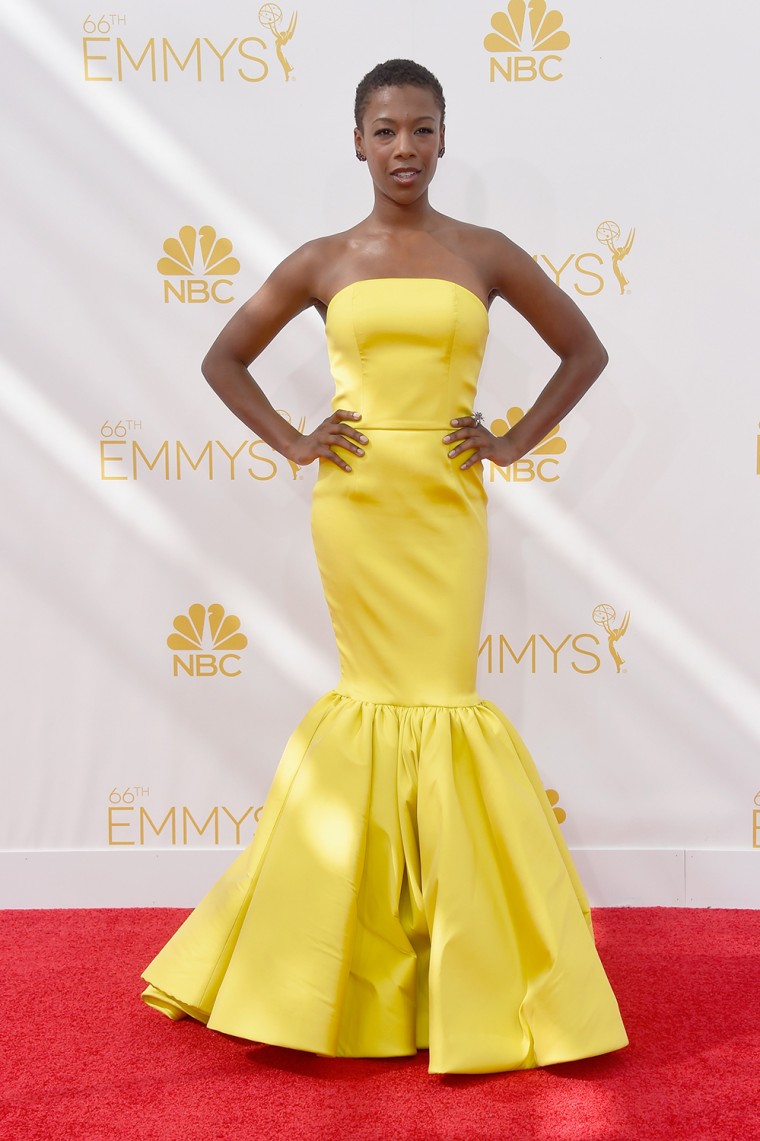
(166, 626)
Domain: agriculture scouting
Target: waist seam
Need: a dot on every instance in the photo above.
(344, 695)
(403, 427)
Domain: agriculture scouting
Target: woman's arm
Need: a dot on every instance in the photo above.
(288, 291)
(563, 327)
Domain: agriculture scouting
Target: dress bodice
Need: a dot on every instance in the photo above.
(406, 352)
(398, 538)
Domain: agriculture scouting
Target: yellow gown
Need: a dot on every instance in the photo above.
(408, 885)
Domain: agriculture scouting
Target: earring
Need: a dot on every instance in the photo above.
(442, 152)
(361, 157)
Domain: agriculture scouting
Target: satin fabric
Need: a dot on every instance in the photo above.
(408, 884)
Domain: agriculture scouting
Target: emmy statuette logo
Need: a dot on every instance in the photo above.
(207, 637)
(541, 463)
(604, 616)
(270, 17)
(202, 262)
(756, 823)
(608, 233)
(525, 42)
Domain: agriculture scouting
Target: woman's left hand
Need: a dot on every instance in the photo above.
(473, 436)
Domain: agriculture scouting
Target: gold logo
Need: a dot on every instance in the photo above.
(130, 823)
(200, 626)
(270, 16)
(604, 616)
(525, 469)
(109, 57)
(194, 256)
(123, 456)
(608, 233)
(580, 652)
(756, 823)
(583, 271)
(554, 801)
(541, 33)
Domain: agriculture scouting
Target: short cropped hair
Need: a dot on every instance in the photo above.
(396, 73)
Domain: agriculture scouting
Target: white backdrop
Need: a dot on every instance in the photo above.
(615, 148)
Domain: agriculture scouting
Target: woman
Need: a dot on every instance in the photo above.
(408, 885)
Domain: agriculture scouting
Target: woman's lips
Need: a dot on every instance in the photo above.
(404, 175)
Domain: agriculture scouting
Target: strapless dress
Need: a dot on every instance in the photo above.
(408, 885)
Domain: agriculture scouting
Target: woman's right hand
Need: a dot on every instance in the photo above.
(331, 433)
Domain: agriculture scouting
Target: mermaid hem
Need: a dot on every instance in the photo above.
(408, 886)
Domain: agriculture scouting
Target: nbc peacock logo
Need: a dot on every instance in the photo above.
(204, 640)
(525, 42)
(557, 808)
(202, 262)
(541, 463)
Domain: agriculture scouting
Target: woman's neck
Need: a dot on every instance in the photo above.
(388, 214)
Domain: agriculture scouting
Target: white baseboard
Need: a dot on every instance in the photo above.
(613, 877)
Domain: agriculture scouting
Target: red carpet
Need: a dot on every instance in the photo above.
(83, 1058)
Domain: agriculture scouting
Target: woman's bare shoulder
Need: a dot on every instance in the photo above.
(327, 245)
(490, 254)
(320, 262)
(478, 241)
(305, 272)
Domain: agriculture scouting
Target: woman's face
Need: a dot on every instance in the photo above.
(401, 136)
